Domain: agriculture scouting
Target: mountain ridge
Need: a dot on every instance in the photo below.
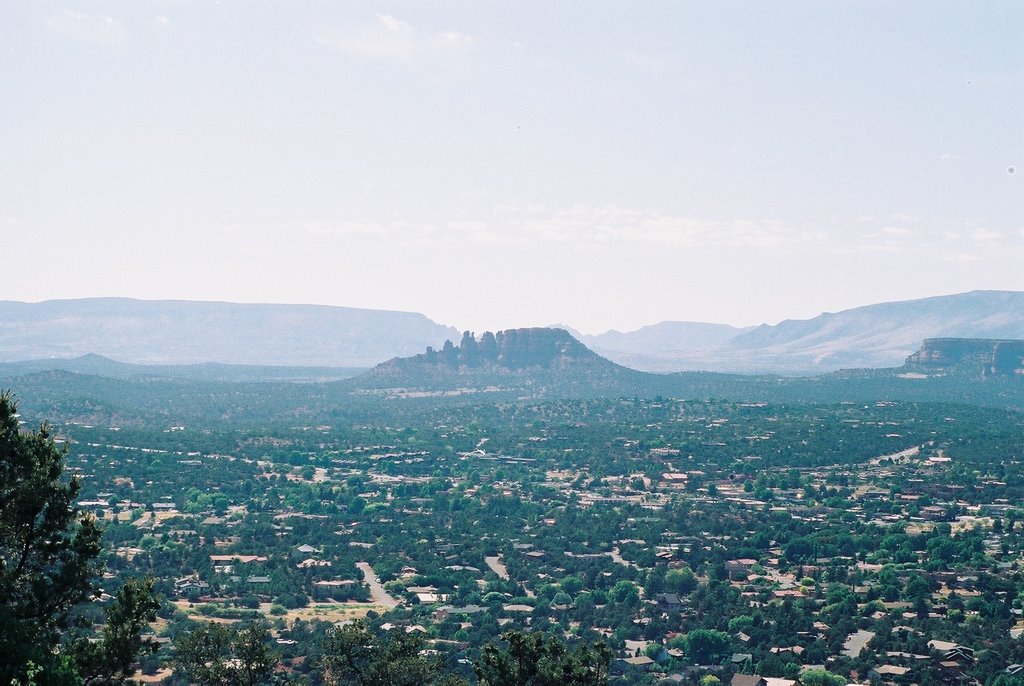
(188, 332)
(182, 332)
(871, 336)
(537, 358)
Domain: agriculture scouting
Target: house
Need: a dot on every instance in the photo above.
(310, 562)
(242, 559)
(888, 673)
(960, 654)
(747, 680)
(191, 586)
(668, 601)
(633, 664)
(739, 568)
(328, 589)
(782, 650)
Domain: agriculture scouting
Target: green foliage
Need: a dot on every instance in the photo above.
(707, 646)
(533, 659)
(821, 677)
(111, 659)
(681, 581)
(48, 549)
(740, 623)
(217, 655)
(353, 654)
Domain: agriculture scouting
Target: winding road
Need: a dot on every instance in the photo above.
(377, 593)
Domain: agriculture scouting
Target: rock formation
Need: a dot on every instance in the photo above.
(993, 357)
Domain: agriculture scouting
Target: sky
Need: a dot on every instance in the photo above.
(499, 164)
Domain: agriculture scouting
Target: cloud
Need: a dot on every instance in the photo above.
(451, 40)
(582, 225)
(613, 224)
(390, 38)
(961, 257)
(986, 235)
(392, 24)
(645, 60)
(86, 28)
(897, 231)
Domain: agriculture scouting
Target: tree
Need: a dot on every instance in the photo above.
(49, 554)
(680, 581)
(532, 659)
(49, 550)
(353, 654)
(216, 655)
(111, 660)
(707, 646)
(821, 677)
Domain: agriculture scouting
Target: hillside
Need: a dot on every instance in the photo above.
(97, 365)
(987, 358)
(660, 347)
(186, 332)
(874, 336)
(535, 362)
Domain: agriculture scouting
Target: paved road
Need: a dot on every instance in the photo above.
(377, 593)
(617, 557)
(496, 565)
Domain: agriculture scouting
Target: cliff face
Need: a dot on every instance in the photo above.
(992, 357)
(874, 336)
(538, 358)
(512, 349)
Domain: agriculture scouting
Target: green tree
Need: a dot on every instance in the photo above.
(111, 660)
(821, 677)
(707, 646)
(212, 654)
(680, 581)
(49, 551)
(353, 654)
(532, 659)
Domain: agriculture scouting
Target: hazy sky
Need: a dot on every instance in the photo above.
(602, 165)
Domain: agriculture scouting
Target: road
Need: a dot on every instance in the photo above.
(496, 565)
(377, 593)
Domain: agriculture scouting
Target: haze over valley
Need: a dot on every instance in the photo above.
(184, 332)
(511, 344)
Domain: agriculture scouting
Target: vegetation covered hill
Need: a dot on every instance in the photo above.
(518, 365)
(533, 362)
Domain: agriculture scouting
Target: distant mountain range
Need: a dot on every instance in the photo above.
(187, 332)
(532, 362)
(97, 365)
(874, 336)
(339, 339)
(516, 365)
